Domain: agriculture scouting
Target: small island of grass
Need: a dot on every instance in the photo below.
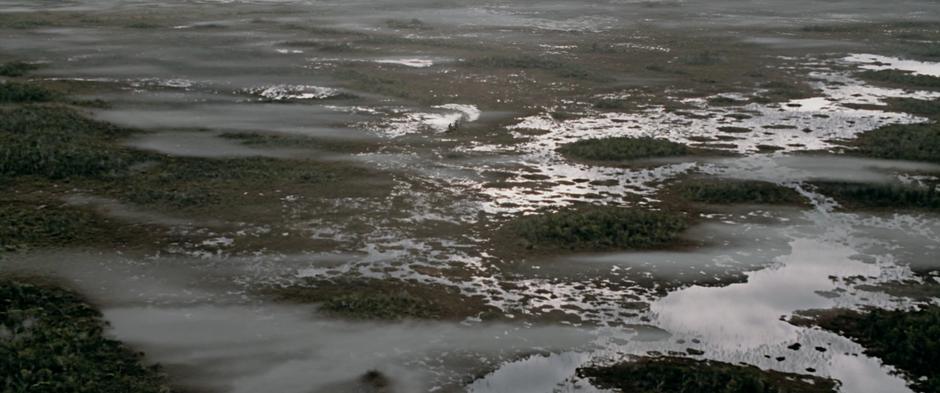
(908, 340)
(598, 229)
(676, 374)
(622, 149)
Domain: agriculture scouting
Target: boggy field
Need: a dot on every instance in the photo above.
(480, 196)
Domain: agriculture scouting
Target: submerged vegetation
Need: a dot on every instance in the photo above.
(623, 149)
(598, 228)
(914, 142)
(684, 375)
(881, 196)
(51, 340)
(908, 340)
(730, 191)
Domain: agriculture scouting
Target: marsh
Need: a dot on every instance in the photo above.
(469, 196)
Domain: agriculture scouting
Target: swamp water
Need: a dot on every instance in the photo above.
(419, 96)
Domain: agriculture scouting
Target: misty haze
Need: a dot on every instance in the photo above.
(517, 196)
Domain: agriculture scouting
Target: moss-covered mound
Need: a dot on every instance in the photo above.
(729, 191)
(901, 78)
(683, 375)
(914, 142)
(909, 341)
(619, 149)
(385, 299)
(880, 196)
(53, 341)
(598, 229)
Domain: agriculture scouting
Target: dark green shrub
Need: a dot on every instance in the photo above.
(599, 228)
(684, 375)
(53, 341)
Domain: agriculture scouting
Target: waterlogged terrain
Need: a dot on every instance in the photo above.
(410, 196)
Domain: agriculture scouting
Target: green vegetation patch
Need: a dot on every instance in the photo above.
(16, 92)
(907, 340)
(51, 340)
(618, 149)
(684, 375)
(901, 78)
(598, 228)
(880, 196)
(24, 225)
(914, 142)
(183, 182)
(385, 299)
(730, 191)
(928, 108)
(16, 68)
(57, 142)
